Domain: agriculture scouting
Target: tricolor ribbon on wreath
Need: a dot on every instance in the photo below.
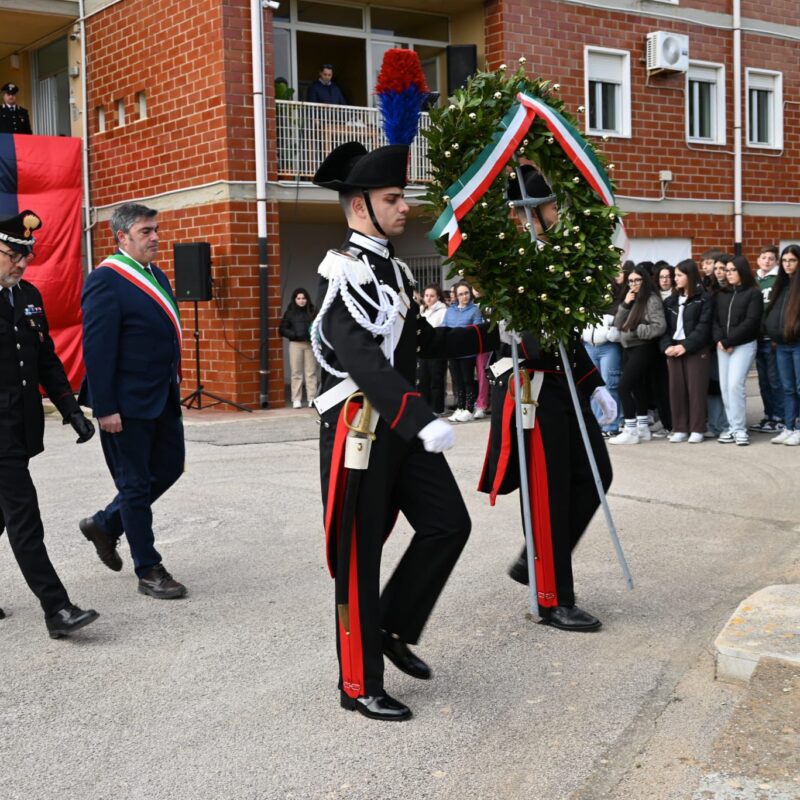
(514, 126)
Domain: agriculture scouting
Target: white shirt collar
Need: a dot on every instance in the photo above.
(143, 266)
(374, 245)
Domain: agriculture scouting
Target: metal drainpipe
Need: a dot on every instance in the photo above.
(87, 197)
(257, 38)
(737, 127)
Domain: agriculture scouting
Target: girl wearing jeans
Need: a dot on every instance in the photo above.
(782, 325)
(462, 370)
(737, 320)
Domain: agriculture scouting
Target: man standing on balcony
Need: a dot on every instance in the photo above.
(13, 118)
(324, 90)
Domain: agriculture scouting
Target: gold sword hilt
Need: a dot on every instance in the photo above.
(363, 426)
(525, 396)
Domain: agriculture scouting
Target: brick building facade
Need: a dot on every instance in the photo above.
(169, 122)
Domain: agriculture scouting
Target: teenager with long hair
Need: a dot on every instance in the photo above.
(640, 321)
(687, 345)
(782, 325)
(461, 314)
(296, 327)
(738, 309)
(431, 371)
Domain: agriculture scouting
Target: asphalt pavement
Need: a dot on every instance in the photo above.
(231, 692)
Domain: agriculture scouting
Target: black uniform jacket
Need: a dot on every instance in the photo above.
(28, 359)
(500, 470)
(389, 388)
(14, 120)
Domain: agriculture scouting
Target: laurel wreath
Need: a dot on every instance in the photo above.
(553, 289)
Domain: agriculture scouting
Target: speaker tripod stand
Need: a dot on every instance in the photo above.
(195, 398)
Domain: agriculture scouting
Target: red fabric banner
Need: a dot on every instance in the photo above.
(49, 182)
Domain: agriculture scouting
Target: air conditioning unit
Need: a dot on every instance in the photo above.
(667, 52)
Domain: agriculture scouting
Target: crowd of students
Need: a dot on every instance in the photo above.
(674, 348)
(677, 344)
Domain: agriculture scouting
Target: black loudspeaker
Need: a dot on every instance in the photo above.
(192, 271)
(462, 61)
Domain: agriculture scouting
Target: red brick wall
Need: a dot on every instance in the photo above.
(193, 61)
(552, 36)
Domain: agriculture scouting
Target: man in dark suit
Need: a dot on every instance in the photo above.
(28, 359)
(13, 118)
(132, 350)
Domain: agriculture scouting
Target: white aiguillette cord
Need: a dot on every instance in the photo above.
(387, 306)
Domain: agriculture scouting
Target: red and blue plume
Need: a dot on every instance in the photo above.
(401, 91)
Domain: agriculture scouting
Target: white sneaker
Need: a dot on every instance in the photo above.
(297, 404)
(311, 404)
(454, 416)
(679, 437)
(643, 432)
(726, 437)
(626, 437)
(782, 436)
(464, 416)
(480, 413)
(696, 438)
(793, 440)
(741, 438)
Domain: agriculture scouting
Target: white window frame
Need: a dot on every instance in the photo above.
(708, 72)
(771, 81)
(624, 126)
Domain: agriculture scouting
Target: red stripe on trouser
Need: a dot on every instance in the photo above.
(505, 444)
(350, 647)
(540, 519)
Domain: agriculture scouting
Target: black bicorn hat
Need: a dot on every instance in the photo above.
(17, 232)
(350, 167)
(536, 187)
(9, 88)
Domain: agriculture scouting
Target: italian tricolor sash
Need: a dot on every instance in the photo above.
(472, 185)
(132, 271)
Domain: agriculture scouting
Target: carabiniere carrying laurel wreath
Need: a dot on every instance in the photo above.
(528, 212)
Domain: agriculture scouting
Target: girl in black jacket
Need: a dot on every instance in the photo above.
(782, 325)
(687, 346)
(296, 327)
(735, 328)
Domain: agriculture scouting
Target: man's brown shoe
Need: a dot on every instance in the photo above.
(104, 543)
(160, 584)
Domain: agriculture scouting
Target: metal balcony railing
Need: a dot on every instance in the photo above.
(307, 132)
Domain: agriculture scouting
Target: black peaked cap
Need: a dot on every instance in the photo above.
(536, 186)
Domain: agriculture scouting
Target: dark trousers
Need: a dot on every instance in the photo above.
(19, 514)
(659, 381)
(430, 381)
(144, 459)
(633, 388)
(568, 495)
(769, 382)
(688, 390)
(462, 371)
(402, 476)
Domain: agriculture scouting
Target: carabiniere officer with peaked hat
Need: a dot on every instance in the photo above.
(28, 360)
(380, 443)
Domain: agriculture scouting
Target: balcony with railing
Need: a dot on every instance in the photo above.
(307, 132)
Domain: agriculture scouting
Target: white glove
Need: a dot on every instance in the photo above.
(607, 404)
(508, 336)
(437, 436)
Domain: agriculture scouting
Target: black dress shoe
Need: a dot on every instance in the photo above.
(69, 620)
(398, 653)
(570, 618)
(160, 584)
(2, 614)
(104, 543)
(379, 706)
(518, 571)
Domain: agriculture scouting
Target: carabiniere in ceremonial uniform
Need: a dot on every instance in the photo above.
(380, 443)
(28, 359)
